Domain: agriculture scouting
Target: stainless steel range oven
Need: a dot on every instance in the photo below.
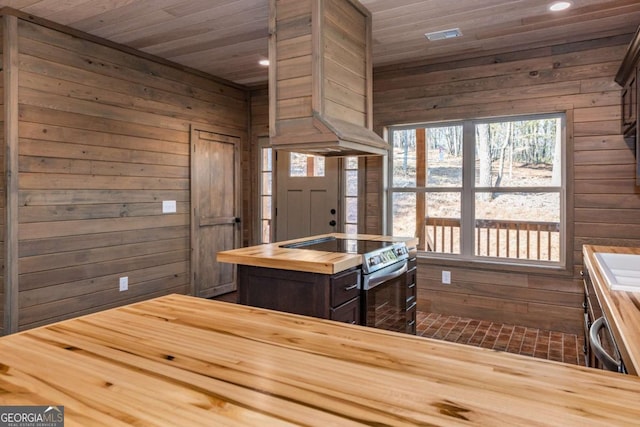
(388, 288)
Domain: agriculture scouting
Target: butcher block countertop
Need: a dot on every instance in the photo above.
(620, 308)
(273, 256)
(185, 361)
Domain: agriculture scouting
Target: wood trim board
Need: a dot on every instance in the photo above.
(11, 120)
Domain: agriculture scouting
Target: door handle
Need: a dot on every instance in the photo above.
(236, 220)
(332, 223)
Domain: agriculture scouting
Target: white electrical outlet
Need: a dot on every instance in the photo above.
(124, 283)
(446, 277)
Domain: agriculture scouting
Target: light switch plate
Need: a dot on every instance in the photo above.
(124, 283)
(168, 206)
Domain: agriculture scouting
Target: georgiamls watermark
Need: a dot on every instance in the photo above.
(31, 416)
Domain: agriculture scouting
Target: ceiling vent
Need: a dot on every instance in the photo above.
(444, 34)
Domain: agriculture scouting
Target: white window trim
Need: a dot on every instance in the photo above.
(264, 142)
(468, 191)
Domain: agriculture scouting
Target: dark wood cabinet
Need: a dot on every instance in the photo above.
(335, 297)
(628, 77)
(349, 312)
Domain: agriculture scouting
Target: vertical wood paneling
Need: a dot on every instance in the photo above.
(10, 172)
(575, 78)
(104, 139)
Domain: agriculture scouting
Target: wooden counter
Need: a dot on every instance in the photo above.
(620, 308)
(273, 256)
(185, 361)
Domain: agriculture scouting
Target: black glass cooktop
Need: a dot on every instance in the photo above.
(334, 244)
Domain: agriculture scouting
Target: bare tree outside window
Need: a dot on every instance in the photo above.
(512, 197)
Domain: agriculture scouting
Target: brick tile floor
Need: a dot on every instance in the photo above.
(511, 338)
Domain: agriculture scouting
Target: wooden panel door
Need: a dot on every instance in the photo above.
(307, 199)
(215, 198)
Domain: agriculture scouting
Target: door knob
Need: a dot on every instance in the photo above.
(332, 223)
(236, 220)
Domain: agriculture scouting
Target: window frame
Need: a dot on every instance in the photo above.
(469, 190)
(265, 144)
(344, 194)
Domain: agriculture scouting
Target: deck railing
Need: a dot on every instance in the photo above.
(537, 240)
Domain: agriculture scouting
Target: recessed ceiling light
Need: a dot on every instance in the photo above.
(264, 62)
(444, 34)
(559, 5)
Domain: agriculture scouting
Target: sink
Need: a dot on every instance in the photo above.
(622, 271)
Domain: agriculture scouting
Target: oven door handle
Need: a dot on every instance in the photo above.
(607, 360)
(390, 276)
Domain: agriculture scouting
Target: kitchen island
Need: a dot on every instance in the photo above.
(323, 276)
(273, 255)
(185, 361)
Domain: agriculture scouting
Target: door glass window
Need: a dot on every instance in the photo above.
(305, 165)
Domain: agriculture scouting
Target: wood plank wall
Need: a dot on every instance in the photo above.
(291, 89)
(577, 78)
(2, 179)
(345, 62)
(373, 203)
(104, 139)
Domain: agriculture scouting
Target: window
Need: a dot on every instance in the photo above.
(305, 165)
(481, 189)
(350, 195)
(266, 193)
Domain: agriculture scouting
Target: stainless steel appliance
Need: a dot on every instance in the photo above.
(388, 289)
(610, 362)
(600, 348)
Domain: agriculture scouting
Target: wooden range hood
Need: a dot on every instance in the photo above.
(320, 78)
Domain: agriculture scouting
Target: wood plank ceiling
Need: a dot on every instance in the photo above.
(227, 38)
